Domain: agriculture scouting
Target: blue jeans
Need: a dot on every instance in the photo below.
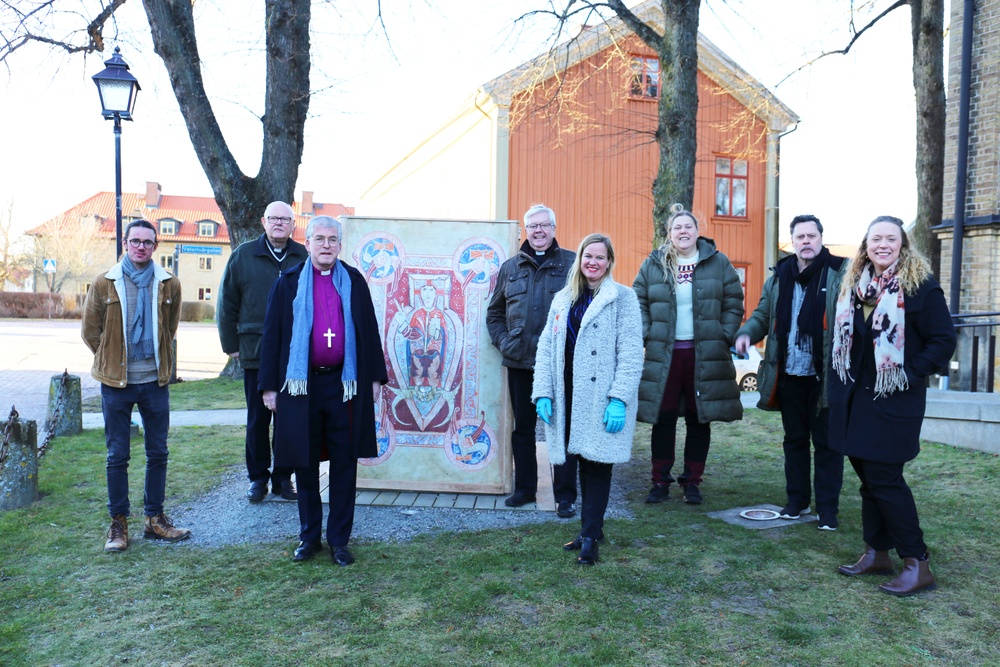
(154, 408)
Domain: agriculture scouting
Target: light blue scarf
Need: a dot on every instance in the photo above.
(297, 375)
(140, 325)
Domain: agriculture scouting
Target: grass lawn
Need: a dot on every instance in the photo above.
(219, 393)
(674, 587)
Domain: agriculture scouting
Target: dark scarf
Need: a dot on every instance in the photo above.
(141, 322)
(813, 310)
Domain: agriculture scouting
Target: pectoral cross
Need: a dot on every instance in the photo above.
(329, 335)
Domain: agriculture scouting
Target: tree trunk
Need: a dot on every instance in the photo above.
(242, 199)
(927, 21)
(676, 126)
(676, 129)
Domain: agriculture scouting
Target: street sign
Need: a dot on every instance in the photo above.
(201, 249)
(49, 265)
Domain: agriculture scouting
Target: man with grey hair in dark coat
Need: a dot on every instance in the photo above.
(515, 317)
(252, 269)
(321, 369)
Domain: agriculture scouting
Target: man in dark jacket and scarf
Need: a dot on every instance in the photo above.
(515, 317)
(796, 310)
(321, 367)
(252, 269)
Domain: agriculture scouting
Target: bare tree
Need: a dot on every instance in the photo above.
(15, 255)
(676, 46)
(927, 36)
(77, 246)
(240, 197)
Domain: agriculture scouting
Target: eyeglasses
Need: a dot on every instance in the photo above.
(136, 243)
(278, 219)
(323, 241)
(538, 225)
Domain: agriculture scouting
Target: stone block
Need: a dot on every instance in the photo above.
(19, 476)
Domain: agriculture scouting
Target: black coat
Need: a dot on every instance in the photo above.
(291, 419)
(521, 300)
(887, 429)
(246, 282)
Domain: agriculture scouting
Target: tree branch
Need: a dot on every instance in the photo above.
(843, 51)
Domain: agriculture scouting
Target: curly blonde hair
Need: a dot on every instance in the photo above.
(912, 268)
(668, 253)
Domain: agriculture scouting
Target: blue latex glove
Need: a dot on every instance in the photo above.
(614, 416)
(543, 407)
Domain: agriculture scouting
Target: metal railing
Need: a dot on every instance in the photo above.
(977, 347)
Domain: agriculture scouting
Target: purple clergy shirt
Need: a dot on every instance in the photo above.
(327, 316)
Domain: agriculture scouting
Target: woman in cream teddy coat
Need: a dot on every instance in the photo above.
(587, 372)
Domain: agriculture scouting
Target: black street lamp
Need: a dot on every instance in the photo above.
(118, 90)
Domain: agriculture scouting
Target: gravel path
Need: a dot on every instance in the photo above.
(223, 517)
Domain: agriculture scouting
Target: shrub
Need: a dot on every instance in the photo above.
(34, 305)
(197, 311)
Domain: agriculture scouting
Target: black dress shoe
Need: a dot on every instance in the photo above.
(257, 490)
(519, 498)
(284, 489)
(565, 509)
(588, 551)
(305, 551)
(341, 556)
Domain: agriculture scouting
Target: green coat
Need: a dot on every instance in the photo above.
(718, 311)
(246, 284)
(763, 321)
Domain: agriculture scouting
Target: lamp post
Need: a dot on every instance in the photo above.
(118, 90)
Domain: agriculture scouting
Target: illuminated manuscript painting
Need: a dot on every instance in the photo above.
(443, 421)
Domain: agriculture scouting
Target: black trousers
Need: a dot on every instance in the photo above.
(888, 512)
(803, 420)
(258, 438)
(329, 428)
(522, 442)
(595, 477)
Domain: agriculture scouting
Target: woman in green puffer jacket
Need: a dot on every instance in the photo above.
(692, 305)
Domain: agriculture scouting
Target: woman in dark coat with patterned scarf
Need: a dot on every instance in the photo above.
(892, 331)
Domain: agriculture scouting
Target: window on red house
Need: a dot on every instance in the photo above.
(645, 77)
(731, 187)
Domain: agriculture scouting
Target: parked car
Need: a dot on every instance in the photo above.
(746, 368)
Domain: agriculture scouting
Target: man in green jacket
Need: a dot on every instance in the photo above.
(252, 269)
(796, 310)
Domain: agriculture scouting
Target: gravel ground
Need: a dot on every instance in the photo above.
(223, 517)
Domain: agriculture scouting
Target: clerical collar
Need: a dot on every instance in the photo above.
(278, 254)
(326, 273)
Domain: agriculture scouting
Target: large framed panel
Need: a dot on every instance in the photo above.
(444, 419)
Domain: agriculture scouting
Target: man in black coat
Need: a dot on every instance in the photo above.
(515, 318)
(321, 367)
(796, 311)
(251, 271)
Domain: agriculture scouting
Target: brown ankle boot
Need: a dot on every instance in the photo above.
(160, 527)
(117, 534)
(871, 562)
(915, 577)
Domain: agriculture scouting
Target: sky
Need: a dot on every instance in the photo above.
(850, 158)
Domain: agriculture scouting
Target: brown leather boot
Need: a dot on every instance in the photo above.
(160, 527)
(915, 577)
(871, 562)
(117, 534)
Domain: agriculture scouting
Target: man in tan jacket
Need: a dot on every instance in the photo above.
(129, 322)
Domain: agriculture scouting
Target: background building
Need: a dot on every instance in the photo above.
(589, 152)
(193, 240)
